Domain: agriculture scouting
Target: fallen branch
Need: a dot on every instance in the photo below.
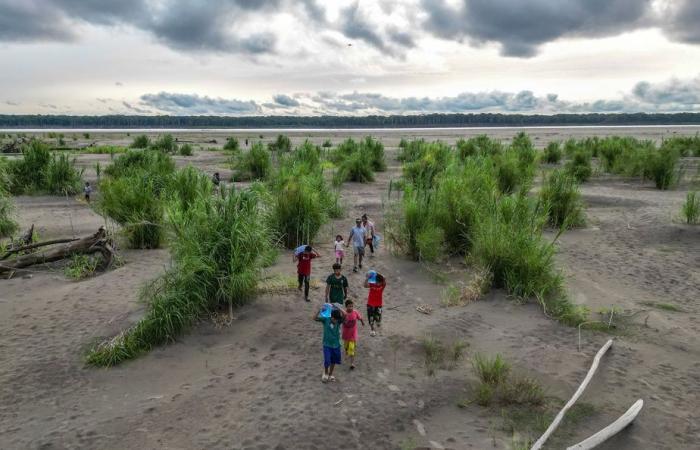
(611, 430)
(96, 243)
(557, 420)
(13, 250)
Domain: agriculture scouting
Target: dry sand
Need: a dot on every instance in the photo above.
(256, 384)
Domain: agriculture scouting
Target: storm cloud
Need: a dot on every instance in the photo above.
(185, 104)
(521, 27)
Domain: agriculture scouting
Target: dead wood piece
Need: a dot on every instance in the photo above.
(96, 243)
(16, 249)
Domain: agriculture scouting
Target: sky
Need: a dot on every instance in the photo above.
(348, 57)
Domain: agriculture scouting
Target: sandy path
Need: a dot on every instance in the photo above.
(257, 383)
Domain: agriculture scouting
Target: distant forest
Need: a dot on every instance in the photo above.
(395, 121)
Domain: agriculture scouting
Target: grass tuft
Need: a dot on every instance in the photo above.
(690, 211)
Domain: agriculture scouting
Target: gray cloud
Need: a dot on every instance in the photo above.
(355, 26)
(11, 103)
(673, 92)
(118, 83)
(136, 109)
(683, 22)
(521, 27)
(194, 104)
(285, 100)
(23, 21)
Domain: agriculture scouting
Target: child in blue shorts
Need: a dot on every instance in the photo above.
(332, 324)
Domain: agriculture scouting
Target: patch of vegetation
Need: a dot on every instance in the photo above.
(41, 171)
(255, 164)
(491, 371)
(232, 145)
(562, 199)
(480, 145)
(8, 225)
(165, 143)
(690, 211)
(142, 141)
(441, 356)
(663, 306)
(80, 267)
(357, 167)
(219, 246)
(103, 150)
(282, 144)
(186, 150)
(327, 144)
(552, 153)
(683, 145)
(579, 166)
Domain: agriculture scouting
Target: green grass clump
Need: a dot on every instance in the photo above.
(327, 144)
(425, 161)
(282, 144)
(357, 167)
(439, 355)
(690, 211)
(255, 164)
(187, 185)
(232, 145)
(141, 142)
(480, 145)
(552, 153)
(579, 166)
(80, 267)
(661, 166)
(103, 150)
(41, 171)
(684, 145)
(153, 162)
(562, 199)
(165, 143)
(133, 201)
(491, 371)
(219, 246)
(375, 150)
(185, 150)
(430, 243)
(8, 226)
(663, 306)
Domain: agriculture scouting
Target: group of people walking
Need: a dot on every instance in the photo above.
(338, 314)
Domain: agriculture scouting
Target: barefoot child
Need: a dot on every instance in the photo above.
(331, 339)
(339, 252)
(376, 283)
(87, 190)
(350, 331)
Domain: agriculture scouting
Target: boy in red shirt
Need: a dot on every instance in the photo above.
(376, 283)
(304, 268)
(350, 331)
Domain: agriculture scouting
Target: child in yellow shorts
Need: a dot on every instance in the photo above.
(349, 331)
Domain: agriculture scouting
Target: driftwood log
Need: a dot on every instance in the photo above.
(99, 242)
(611, 430)
(557, 420)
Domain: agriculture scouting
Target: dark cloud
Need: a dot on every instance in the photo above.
(285, 100)
(672, 92)
(180, 24)
(118, 83)
(11, 103)
(683, 22)
(520, 27)
(314, 10)
(402, 38)
(136, 109)
(354, 25)
(194, 104)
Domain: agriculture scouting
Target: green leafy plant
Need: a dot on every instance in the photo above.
(580, 166)
(552, 153)
(255, 164)
(80, 267)
(562, 199)
(690, 211)
(142, 141)
(232, 145)
(165, 143)
(8, 226)
(186, 150)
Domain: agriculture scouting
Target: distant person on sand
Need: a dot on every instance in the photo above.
(358, 237)
(376, 283)
(332, 322)
(304, 268)
(369, 227)
(339, 252)
(87, 190)
(352, 316)
(336, 286)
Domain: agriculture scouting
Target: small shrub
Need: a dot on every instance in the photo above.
(40, 171)
(61, 176)
(484, 394)
(434, 354)
(561, 197)
(185, 150)
(81, 266)
(580, 166)
(282, 144)
(159, 165)
(661, 166)
(165, 143)
(232, 145)
(255, 164)
(691, 209)
(357, 167)
(8, 226)
(522, 391)
(375, 150)
(491, 371)
(327, 144)
(480, 145)
(430, 242)
(298, 212)
(552, 153)
(133, 202)
(86, 135)
(141, 141)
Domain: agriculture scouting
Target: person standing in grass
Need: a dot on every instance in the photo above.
(376, 283)
(336, 286)
(304, 268)
(352, 316)
(87, 190)
(216, 179)
(369, 238)
(358, 238)
(331, 339)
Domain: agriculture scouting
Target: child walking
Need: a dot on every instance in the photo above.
(87, 190)
(336, 286)
(304, 268)
(376, 283)
(339, 252)
(331, 340)
(352, 316)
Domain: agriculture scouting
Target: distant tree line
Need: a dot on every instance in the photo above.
(394, 121)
